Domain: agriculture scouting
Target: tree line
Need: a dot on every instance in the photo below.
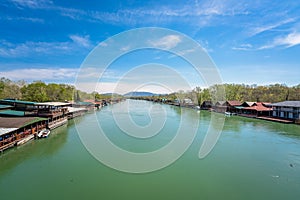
(240, 92)
(41, 92)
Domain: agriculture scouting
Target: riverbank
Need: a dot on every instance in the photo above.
(22, 121)
(287, 112)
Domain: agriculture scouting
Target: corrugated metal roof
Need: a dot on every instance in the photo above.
(258, 107)
(6, 130)
(52, 104)
(5, 106)
(288, 104)
(12, 113)
(72, 109)
(12, 101)
(234, 103)
(18, 122)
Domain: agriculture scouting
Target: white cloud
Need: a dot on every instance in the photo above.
(30, 19)
(244, 47)
(287, 41)
(267, 27)
(166, 42)
(34, 4)
(8, 49)
(81, 41)
(107, 87)
(182, 53)
(125, 48)
(40, 74)
(103, 44)
(197, 12)
(290, 40)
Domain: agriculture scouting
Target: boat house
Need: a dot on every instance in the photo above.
(15, 131)
(258, 109)
(206, 105)
(226, 106)
(56, 112)
(287, 110)
(220, 106)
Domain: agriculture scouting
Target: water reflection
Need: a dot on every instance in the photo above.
(253, 159)
(237, 123)
(34, 149)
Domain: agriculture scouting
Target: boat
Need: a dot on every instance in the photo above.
(43, 133)
(228, 113)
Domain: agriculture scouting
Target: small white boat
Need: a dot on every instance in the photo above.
(43, 133)
(197, 107)
(228, 113)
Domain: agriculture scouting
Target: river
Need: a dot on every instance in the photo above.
(253, 159)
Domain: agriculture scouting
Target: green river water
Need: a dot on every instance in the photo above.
(253, 159)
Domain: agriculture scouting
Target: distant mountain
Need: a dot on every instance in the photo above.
(111, 94)
(139, 94)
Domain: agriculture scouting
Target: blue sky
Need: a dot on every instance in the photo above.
(251, 42)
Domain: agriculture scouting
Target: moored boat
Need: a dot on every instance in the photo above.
(43, 133)
(228, 113)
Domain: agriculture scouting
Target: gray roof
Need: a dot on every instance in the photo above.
(3, 131)
(53, 104)
(72, 109)
(288, 104)
(18, 122)
(5, 106)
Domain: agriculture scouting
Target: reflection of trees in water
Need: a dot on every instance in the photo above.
(37, 148)
(176, 109)
(51, 145)
(237, 123)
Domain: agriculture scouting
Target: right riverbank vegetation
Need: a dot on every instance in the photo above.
(29, 110)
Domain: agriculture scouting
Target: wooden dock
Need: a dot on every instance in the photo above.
(277, 120)
(7, 146)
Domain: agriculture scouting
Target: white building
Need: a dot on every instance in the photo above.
(287, 109)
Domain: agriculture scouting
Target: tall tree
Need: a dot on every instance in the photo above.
(35, 91)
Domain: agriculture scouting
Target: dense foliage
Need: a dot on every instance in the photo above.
(240, 92)
(41, 92)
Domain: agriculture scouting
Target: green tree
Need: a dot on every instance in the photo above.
(198, 94)
(35, 91)
(9, 89)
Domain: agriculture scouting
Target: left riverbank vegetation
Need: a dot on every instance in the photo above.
(39, 91)
(28, 110)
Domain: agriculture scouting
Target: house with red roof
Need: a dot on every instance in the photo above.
(258, 109)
